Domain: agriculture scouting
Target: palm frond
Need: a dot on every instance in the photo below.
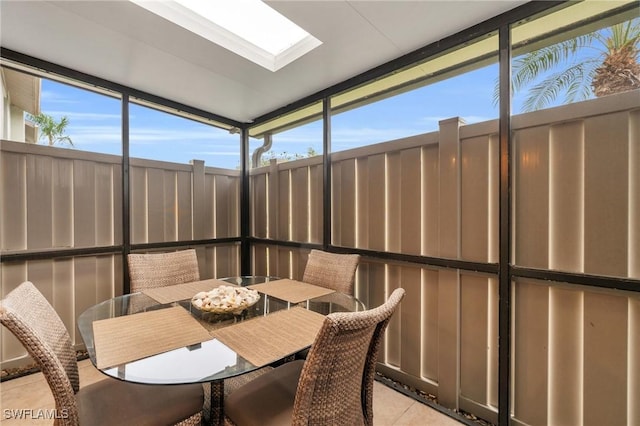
(66, 139)
(579, 88)
(496, 91)
(529, 67)
(50, 129)
(624, 35)
(545, 92)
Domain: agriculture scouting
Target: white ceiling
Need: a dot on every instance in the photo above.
(123, 43)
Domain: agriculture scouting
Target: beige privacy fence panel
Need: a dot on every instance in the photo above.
(180, 202)
(576, 193)
(64, 198)
(286, 201)
(58, 198)
(576, 355)
(433, 195)
(577, 188)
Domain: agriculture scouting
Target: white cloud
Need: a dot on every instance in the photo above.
(80, 116)
(372, 135)
(433, 119)
(216, 153)
(298, 138)
(56, 97)
(477, 118)
(145, 135)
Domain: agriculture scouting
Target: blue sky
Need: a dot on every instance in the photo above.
(95, 125)
(95, 122)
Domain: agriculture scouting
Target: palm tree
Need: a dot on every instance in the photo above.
(54, 131)
(612, 68)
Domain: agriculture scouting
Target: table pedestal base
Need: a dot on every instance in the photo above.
(213, 408)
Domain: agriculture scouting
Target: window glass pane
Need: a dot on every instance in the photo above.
(63, 188)
(460, 83)
(294, 144)
(418, 111)
(592, 52)
(293, 136)
(184, 179)
(94, 120)
(414, 158)
(287, 198)
(160, 135)
(48, 112)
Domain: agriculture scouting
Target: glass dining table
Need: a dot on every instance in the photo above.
(209, 362)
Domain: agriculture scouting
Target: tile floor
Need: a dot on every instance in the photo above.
(31, 392)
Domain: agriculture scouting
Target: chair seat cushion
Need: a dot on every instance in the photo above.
(267, 400)
(113, 402)
(233, 383)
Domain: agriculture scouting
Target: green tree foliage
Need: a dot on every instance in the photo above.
(285, 156)
(53, 130)
(600, 63)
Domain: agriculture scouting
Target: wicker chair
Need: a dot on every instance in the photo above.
(162, 269)
(333, 386)
(331, 270)
(28, 315)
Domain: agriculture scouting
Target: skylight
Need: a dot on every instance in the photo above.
(249, 28)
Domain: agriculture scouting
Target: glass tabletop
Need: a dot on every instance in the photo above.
(208, 361)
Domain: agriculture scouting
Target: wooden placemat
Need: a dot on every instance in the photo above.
(291, 290)
(264, 340)
(174, 293)
(131, 337)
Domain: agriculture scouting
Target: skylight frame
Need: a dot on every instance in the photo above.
(178, 12)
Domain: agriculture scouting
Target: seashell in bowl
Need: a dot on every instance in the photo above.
(225, 299)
